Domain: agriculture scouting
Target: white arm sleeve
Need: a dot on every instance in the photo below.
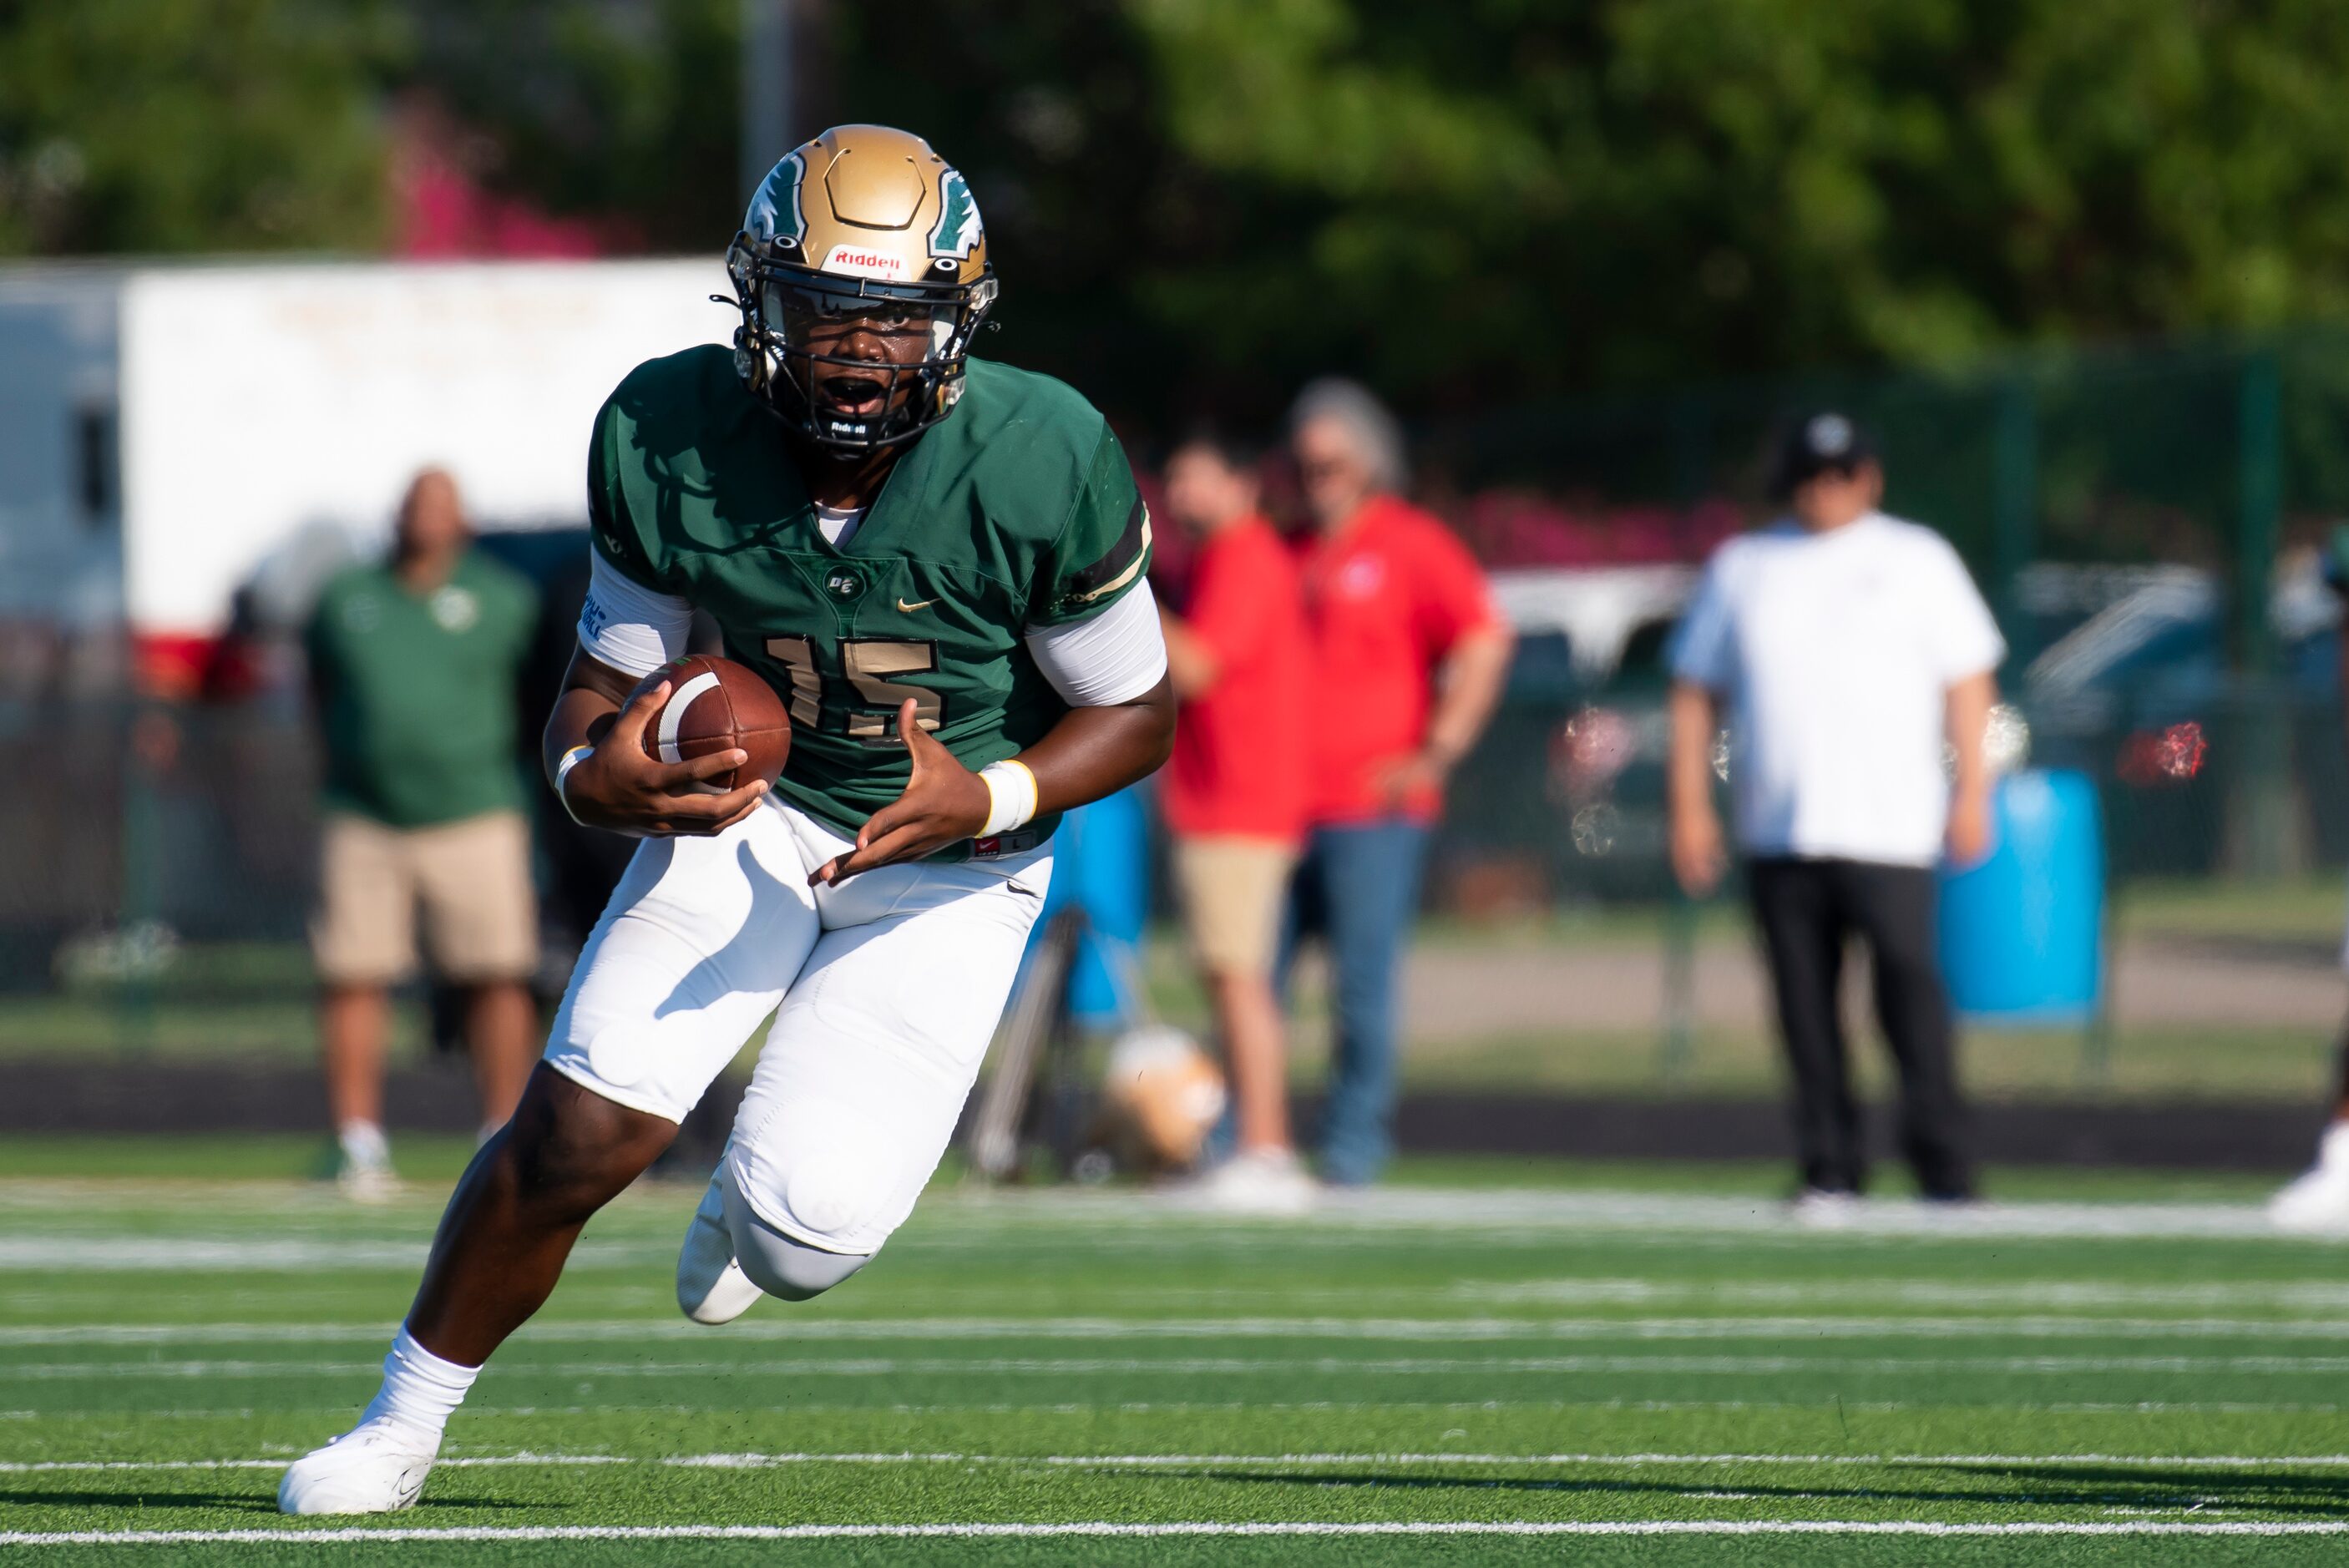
(1105, 659)
(626, 625)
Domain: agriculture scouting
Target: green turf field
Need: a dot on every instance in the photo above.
(1541, 1371)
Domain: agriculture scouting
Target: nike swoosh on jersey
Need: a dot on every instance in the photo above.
(922, 604)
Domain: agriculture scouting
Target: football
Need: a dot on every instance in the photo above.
(716, 705)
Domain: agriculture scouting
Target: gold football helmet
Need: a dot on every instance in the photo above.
(861, 273)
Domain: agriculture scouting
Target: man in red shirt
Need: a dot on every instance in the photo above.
(1408, 654)
(1235, 791)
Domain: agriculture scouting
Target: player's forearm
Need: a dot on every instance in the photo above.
(592, 694)
(1097, 751)
(1688, 778)
(1471, 688)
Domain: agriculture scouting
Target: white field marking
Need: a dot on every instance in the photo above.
(1429, 1329)
(1109, 1218)
(154, 1254)
(1321, 1407)
(1109, 1529)
(2321, 1294)
(41, 1467)
(801, 1407)
(1598, 1210)
(151, 1254)
(528, 1460)
(1759, 1365)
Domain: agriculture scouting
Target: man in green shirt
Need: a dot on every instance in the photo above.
(940, 563)
(412, 668)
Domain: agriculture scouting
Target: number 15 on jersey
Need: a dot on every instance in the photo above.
(868, 665)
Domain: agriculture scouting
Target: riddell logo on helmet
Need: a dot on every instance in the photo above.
(857, 262)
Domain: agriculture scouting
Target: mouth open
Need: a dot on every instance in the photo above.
(855, 395)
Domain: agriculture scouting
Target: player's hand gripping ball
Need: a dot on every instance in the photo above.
(693, 750)
(716, 705)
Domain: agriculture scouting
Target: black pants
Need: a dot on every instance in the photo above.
(1807, 911)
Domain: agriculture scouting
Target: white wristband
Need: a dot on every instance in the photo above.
(570, 759)
(1011, 788)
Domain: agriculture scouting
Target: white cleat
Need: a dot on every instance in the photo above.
(369, 1183)
(362, 1163)
(2316, 1204)
(711, 1288)
(1260, 1182)
(1825, 1209)
(378, 1467)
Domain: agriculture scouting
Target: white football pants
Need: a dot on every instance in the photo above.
(889, 984)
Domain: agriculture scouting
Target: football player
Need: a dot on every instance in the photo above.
(940, 562)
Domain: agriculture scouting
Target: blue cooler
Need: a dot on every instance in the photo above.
(2022, 932)
(1101, 862)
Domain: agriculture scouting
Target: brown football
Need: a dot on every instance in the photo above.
(716, 705)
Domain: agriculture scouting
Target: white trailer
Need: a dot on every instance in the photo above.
(165, 428)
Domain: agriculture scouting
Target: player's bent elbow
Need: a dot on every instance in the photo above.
(1159, 703)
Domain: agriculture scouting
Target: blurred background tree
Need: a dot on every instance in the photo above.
(621, 114)
(1197, 201)
(229, 125)
(1529, 197)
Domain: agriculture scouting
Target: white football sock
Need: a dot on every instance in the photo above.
(2332, 1148)
(363, 1143)
(419, 1390)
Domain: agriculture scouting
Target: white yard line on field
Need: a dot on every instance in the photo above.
(1987, 1325)
(929, 1367)
(1096, 1218)
(528, 1460)
(79, 1255)
(802, 1407)
(1729, 1527)
(2325, 1295)
(1478, 1210)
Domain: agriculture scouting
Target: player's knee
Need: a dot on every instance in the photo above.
(569, 1148)
(789, 1269)
(780, 1265)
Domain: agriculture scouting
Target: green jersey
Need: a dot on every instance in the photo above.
(417, 692)
(1018, 510)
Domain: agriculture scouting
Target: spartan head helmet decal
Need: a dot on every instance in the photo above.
(860, 237)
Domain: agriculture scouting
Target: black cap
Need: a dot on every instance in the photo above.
(1818, 443)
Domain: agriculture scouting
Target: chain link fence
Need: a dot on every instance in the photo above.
(2147, 523)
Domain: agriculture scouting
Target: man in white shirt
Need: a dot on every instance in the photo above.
(2317, 1201)
(1847, 648)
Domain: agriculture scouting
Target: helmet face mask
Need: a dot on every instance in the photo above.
(861, 277)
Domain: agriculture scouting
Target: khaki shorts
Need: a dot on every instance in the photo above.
(1233, 891)
(467, 882)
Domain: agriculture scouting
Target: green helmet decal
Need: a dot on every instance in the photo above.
(959, 227)
(775, 213)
